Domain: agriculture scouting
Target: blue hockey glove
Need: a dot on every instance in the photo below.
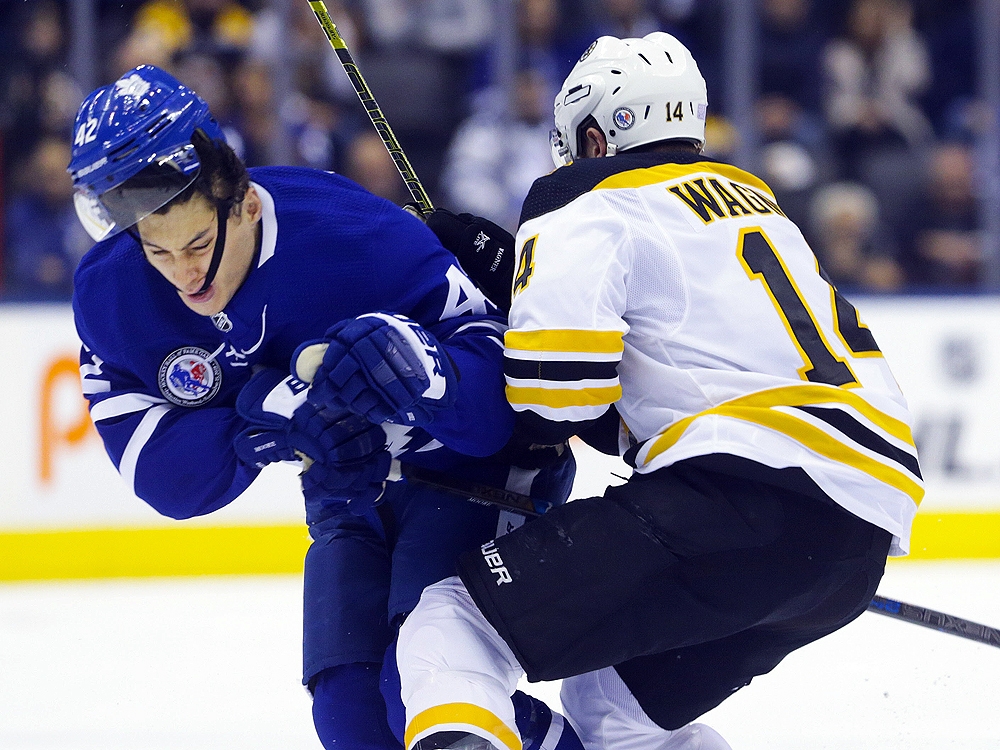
(353, 468)
(345, 456)
(383, 367)
(274, 403)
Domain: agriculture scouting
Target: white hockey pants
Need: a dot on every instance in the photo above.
(457, 674)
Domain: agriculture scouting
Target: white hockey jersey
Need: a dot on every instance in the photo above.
(682, 294)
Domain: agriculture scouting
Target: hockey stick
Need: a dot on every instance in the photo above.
(469, 490)
(940, 621)
(413, 184)
(306, 365)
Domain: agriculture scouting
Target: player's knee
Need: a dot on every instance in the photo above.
(444, 612)
(348, 708)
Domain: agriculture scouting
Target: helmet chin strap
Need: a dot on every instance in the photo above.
(220, 244)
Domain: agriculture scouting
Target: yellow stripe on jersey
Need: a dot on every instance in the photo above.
(566, 340)
(473, 716)
(758, 408)
(663, 173)
(558, 398)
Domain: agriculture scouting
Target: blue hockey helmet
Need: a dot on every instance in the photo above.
(138, 127)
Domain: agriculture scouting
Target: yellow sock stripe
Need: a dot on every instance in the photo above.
(476, 717)
(137, 552)
(557, 398)
(566, 340)
(796, 395)
(665, 172)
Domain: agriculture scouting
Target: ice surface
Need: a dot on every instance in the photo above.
(192, 664)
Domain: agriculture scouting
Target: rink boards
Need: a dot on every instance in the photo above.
(65, 513)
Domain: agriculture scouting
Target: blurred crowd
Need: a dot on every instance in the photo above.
(866, 111)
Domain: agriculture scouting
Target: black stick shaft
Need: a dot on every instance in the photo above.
(469, 490)
(364, 93)
(935, 620)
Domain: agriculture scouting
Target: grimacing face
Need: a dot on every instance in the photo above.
(180, 242)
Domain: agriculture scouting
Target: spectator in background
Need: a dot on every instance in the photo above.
(219, 25)
(946, 246)
(203, 72)
(873, 77)
(545, 43)
(496, 155)
(416, 55)
(315, 123)
(791, 44)
(44, 240)
(257, 119)
(38, 97)
(626, 19)
(853, 246)
(369, 165)
(794, 154)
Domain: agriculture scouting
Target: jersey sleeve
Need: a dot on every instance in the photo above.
(470, 328)
(566, 327)
(179, 460)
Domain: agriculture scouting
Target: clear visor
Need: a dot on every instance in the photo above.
(118, 208)
(561, 155)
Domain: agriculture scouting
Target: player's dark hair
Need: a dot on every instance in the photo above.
(223, 179)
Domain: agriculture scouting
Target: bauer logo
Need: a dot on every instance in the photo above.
(189, 377)
(624, 118)
(590, 49)
(495, 563)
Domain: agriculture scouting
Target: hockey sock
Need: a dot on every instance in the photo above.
(349, 711)
(540, 727)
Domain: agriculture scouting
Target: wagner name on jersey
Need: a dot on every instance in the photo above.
(686, 272)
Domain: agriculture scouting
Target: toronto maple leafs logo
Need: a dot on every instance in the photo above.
(135, 86)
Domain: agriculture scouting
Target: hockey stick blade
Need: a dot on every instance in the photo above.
(940, 621)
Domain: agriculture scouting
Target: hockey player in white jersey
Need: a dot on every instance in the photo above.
(667, 295)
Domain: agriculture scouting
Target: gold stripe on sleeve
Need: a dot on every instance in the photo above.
(566, 340)
(558, 398)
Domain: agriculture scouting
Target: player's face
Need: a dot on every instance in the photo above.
(179, 244)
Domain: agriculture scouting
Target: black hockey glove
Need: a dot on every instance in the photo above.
(484, 249)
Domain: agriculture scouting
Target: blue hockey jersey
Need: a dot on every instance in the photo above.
(162, 380)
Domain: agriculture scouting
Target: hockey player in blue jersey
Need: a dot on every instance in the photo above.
(205, 281)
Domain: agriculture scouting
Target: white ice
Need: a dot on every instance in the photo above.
(213, 664)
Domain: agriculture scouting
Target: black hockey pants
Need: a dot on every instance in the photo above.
(690, 581)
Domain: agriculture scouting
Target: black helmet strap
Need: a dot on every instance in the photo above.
(220, 245)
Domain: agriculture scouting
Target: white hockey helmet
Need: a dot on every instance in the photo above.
(638, 90)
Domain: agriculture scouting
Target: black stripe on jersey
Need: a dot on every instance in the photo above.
(845, 423)
(566, 184)
(530, 369)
